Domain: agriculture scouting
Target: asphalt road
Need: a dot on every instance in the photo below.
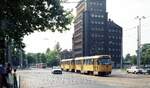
(42, 78)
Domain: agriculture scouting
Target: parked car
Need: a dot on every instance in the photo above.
(146, 70)
(56, 70)
(134, 69)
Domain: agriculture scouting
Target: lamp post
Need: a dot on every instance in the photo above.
(139, 40)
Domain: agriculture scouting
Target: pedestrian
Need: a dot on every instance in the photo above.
(1, 77)
(9, 76)
(3, 82)
(15, 79)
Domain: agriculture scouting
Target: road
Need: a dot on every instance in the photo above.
(42, 78)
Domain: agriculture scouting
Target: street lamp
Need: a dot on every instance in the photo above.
(139, 40)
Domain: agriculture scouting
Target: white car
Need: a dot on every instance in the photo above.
(134, 69)
(56, 70)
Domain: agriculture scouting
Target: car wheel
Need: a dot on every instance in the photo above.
(135, 72)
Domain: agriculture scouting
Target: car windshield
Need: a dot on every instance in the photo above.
(56, 67)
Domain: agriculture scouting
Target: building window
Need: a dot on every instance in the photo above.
(93, 35)
(109, 49)
(99, 49)
(92, 15)
(110, 42)
(100, 4)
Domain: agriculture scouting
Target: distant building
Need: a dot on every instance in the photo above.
(66, 54)
(94, 34)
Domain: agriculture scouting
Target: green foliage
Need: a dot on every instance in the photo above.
(31, 57)
(57, 47)
(22, 17)
(133, 60)
(43, 58)
(52, 58)
(146, 54)
(34, 58)
(130, 59)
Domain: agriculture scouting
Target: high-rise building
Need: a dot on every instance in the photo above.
(94, 34)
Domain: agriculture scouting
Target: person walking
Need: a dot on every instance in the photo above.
(1, 77)
(3, 82)
(15, 79)
(9, 76)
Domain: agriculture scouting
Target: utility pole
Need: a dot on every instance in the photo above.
(139, 40)
(121, 54)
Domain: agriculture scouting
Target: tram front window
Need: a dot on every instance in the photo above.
(104, 61)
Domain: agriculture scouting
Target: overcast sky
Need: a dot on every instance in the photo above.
(123, 12)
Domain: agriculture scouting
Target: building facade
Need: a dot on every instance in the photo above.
(92, 31)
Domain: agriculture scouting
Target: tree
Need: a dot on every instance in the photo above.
(15, 57)
(128, 57)
(31, 58)
(145, 54)
(23, 17)
(2, 51)
(133, 59)
(48, 50)
(57, 47)
(52, 58)
(43, 58)
(130, 60)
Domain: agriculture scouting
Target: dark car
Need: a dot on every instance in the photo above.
(146, 70)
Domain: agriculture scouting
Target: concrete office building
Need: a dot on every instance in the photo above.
(94, 34)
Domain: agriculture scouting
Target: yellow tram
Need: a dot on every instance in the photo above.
(96, 65)
(68, 65)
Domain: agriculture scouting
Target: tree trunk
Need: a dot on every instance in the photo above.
(2, 51)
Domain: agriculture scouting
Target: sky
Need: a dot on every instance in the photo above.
(122, 12)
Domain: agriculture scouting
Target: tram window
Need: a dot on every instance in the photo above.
(88, 61)
(84, 61)
(78, 62)
(72, 62)
(104, 61)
